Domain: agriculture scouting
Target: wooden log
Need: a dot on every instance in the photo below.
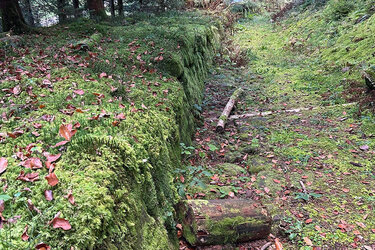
(215, 222)
(226, 112)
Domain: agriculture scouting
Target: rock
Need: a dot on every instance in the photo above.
(369, 75)
(211, 222)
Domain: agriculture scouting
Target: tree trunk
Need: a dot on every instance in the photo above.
(61, 10)
(112, 6)
(96, 8)
(12, 18)
(219, 222)
(120, 7)
(77, 11)
(30, 17)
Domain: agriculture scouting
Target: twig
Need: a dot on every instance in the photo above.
(303, 187)
(265, 246)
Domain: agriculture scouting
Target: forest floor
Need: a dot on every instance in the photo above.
(328, 148)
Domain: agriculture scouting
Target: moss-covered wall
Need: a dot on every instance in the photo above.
(129, 121)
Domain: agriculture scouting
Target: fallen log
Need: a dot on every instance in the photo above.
(226, 112)
(214, 222)
(266, 113)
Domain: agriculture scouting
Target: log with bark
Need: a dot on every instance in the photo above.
(226, 112)
(215, 222)
(369, 76)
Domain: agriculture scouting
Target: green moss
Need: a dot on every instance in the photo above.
(119, 170)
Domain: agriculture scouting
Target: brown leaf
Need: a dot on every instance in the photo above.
(62, 143)
(51, 158)
(60, 222)
(48, 194)
(32, 163)
(2, 206)
(42, 246)
(52, 179)
(3, 164)
(70, 197)
(31, 177)
(278, 245)
(307, 241)
(79, 92)
(32, 207)
(65, 132)
(25, 236)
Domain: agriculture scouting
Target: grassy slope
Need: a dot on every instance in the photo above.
(129, 120)
(298, 63)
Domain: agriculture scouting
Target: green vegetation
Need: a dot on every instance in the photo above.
(130, 98)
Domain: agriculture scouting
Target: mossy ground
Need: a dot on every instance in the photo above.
(131, 106)
(308, 60)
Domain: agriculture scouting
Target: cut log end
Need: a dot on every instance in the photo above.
(213, 222)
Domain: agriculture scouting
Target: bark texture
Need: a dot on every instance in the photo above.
(226, 112)
(216, 222)
(96, 8)
(12, 18)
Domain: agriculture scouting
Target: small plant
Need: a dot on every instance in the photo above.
(186, 150)
(307, 196)
(212, 147)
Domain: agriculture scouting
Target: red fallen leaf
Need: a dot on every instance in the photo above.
(52, 179)
(3, 164)
(24, 236)
(79, 91)
(120, 116)
(66, 131)
(231, 194)
(17, 90)
(31, 177)
(2, 206)
(115, 123)
(70, 197)
(278, 245)
(101, 75)
(32, 163)
(62, 143)
(15, 134)
(32, 207)
(356, 232)
(182, 178)
(48, 194)
(36, 134)
(308, 221)
(373, 230)
(276, 181)
(307, 241)
(364, 147)
(37, 125)
(267, 190)
(42, 246)
(345, 190)
(341, 226)
(318, 228)
(51, 158)
(60, 222)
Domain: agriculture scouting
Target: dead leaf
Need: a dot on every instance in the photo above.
(70, 197)
(48, 194)
(30, 177)
(307, 241)
(42, 246)
(60, 222)
(267, 190)
(25, 236)
(278, 245)
(51, 158)
(32, 207)
(52, 179)
(32, 163)
(62, 143)
(79, 92)
(3, 165)
(66, 131)
(308, 221)
(364, 147)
